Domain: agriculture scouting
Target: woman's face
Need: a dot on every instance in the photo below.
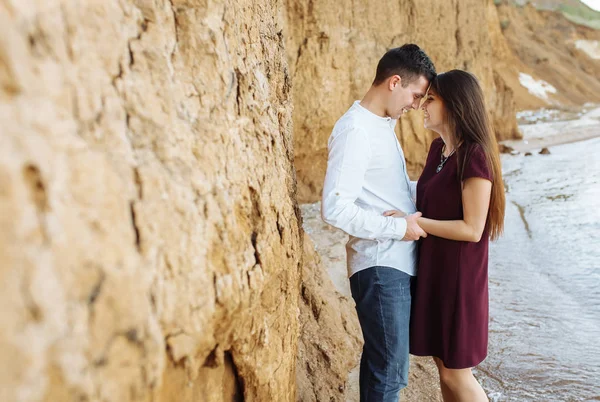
(435, 113)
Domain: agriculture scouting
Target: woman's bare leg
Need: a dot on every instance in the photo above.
(446, 393)
(460, 384)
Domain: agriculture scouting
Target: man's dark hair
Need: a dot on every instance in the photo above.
(408, 61)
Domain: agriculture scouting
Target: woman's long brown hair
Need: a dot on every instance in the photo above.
(469, 123)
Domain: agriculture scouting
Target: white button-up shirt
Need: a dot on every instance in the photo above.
(366, 176)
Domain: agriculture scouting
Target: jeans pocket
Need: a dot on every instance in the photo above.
(394, 284)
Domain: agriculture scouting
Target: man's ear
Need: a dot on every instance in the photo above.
(394, 81)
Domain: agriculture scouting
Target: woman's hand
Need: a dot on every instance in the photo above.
(395, 213)
(413, 230)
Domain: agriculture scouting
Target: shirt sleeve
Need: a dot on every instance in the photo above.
(349, 155)
(477, 165)
(413, 190)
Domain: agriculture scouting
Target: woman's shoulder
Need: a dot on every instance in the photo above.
(476, 152)
(477, 164)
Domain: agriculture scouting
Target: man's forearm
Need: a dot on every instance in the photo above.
(361, 223)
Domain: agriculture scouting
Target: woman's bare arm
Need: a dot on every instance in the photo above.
(476, 202)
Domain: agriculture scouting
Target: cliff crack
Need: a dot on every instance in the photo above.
(254, 245)
(135, 226)
(31, 305)
(238, 94)
(299, 54)
(143, 28)
(138, 183)
(131, 335)
(176, 28)
(239, 381)
(457, 32)
(37, 188)
(214, 358)
(97, 289)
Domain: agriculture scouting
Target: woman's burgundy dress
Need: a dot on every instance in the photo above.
(450, 301)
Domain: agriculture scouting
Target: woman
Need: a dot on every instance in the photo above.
(461, 196)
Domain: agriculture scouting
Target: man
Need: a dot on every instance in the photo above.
(366, 175)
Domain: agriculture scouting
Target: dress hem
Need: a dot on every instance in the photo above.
(445, 365)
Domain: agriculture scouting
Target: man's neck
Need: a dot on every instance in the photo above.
(371, 102)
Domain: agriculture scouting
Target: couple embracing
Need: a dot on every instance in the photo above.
(418, 251)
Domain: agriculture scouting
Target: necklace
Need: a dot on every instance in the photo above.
(443, 159)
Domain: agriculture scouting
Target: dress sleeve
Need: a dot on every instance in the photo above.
(477, 165)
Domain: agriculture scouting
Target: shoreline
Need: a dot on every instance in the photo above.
(536, 280)
(526, 145)
(558, 132)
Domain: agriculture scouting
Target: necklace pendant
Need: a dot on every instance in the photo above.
(439, 168)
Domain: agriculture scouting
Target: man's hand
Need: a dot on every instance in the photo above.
(395, 213)
(413, 230)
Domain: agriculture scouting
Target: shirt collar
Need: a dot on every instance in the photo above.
(372, 116)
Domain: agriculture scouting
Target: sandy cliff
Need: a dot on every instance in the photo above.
(550, 48)
(150, 245)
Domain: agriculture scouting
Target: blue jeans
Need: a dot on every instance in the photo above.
(382, 297)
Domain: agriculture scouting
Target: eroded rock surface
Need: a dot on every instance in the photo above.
(150, 246)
